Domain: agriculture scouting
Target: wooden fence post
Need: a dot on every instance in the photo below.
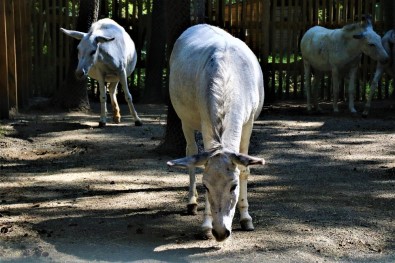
(11, 56)
(4, 103)
(21, 49)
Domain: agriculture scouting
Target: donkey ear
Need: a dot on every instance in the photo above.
(102, 39)
(190, 161)
(393, 36)
(367, 20)
(246, 160)
(72, 33)
(359, 36)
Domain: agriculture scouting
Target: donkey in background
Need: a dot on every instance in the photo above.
(338, 51)
(388, 42)
(107, 53)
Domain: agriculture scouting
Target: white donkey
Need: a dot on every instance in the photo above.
(216, 86)
(388, 42)
(338, 51)
(107, 54)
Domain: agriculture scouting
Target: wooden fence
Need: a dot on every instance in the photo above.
(272, 28)
(15, 57)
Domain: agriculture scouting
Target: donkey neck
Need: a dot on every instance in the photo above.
(351, 47)
(223, 132)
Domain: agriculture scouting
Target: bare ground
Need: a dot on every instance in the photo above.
(72, 192)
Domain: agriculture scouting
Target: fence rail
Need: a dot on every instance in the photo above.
(272, 28)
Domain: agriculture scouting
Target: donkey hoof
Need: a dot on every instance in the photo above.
(116, 120)
(246, 225)
(206, 234)
(138, 123)
(102, 124)
(192, 209)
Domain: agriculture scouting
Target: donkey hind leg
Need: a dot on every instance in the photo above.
(373, 87)
(351, 90)
(103, 103)
(307, 78)
(316, 88)
(114, 103)
(128, 97)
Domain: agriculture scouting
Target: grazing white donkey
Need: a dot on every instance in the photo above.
(388, 42)
(337, 51)
(107, 54)
(216, 86)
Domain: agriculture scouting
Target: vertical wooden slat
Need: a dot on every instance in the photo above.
(281, 51)
(28, 61)
(4, 104)
(34, 23)
(21, 52)
(287, 54)
(11, 56)
(54, 41)
(60, 44)
(265, 24)
(272, 48)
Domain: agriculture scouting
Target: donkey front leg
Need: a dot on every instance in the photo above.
(191, 149)
(207, 225)
(351, 89)
(128, 97)
(242, 204)
(335, 85)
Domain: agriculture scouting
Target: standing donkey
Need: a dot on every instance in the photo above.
(337, 51)
(107, 53)
(388, 42)
(216, 86)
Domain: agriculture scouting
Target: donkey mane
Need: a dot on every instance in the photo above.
(218, 90)
(352, 27)
(367, 21)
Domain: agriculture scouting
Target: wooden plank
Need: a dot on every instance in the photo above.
(19, 47)
(60, 44)
(289, 40)
(28, 62)
(265, 41)
(24, 89)
(35, 25)
(4, 103)
(11, 56)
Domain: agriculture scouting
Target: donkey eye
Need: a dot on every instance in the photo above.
(233, 187)
(371, 45)
(205, 187)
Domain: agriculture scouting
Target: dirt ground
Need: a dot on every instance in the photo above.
(72, 192)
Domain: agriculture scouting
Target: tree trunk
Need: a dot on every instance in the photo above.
(177, 20)
(156, 55)
(72, 94)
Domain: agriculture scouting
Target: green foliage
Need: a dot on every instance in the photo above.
(284, 60)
